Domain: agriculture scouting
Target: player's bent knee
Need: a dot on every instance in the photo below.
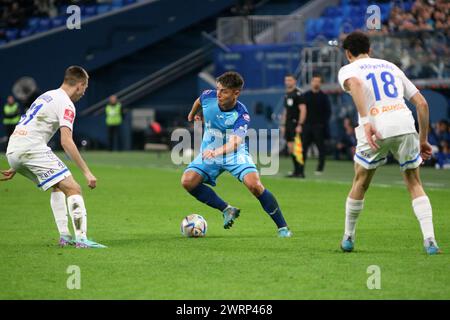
(256, 188)
(189, 181)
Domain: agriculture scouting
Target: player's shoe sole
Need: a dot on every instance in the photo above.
(229, 215)
(88, 244)
(347, 244)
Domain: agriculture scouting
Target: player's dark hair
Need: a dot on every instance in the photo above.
(231, 80)
(290, 75)
(357, 43)
(317, 75)
(75, 75)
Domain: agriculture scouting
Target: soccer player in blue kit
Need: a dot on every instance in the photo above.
(223, 149)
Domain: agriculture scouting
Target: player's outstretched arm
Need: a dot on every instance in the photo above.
(71, 149)
(7, 174)
(423, 117)
(355, 86)
(228, 147)
(195, 108)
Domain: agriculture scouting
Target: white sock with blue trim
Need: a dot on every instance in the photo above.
(59, 208)
(77, 211)
(424, 213)
(352, 210)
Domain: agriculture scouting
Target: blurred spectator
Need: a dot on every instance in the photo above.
(433, 138)
(315, 129)
(16, 16)
(11, 115)
(443, 132)
(347, 142)
(114, 116)
(443, 157)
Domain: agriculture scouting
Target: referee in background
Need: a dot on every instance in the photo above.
(315, 127)
(293, 114)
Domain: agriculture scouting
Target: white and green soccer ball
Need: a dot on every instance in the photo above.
(194, 226)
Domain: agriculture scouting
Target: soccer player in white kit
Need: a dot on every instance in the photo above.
(378, 89)
(29, 155)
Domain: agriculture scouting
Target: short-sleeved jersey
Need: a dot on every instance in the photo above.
(292, 100)
(46, 115)
(220, 124)
(385, 87)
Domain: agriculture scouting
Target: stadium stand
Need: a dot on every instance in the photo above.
(21, 19)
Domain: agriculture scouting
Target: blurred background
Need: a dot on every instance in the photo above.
(149, 60)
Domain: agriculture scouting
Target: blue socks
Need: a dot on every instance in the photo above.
(205, 194)
(270, 205)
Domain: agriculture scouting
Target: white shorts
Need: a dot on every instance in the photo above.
(43, 168)
(405, 149)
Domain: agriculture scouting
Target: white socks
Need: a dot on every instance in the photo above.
(77, 211)
(352, 211)
(59, 208)
(423, 211)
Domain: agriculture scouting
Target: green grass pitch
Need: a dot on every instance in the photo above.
(139, 204)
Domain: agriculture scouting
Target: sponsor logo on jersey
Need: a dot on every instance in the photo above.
(375, 111)
(69, 115)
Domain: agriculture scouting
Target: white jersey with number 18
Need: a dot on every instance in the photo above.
(46, 115)
(385, 87)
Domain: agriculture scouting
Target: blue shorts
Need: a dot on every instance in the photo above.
(239, 165)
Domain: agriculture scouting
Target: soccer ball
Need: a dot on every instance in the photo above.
(194, 226)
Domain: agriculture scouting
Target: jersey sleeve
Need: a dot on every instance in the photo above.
(345, 73)
(241, 125)
(66, 115)
(409, 89)
(207, 94)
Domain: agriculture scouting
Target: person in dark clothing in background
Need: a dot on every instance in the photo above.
(293, 114)
(315, 128)
(346, 144)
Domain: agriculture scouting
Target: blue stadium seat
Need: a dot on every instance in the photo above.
(26, 32)
(58, 21)
(44, 25)
(103, 8)
(33, 23)
(90, 11)
(116, 4)
(12, 34)
(385, 11)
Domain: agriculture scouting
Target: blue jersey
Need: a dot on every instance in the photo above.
(219, 124)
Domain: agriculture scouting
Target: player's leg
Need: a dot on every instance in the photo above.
(268, 202)
(355, 204)
(290, 136)
(319, 140)
(192, 181)
(77, 212)
(307, 139)
(422, 209)
(407, 151)
(59, 209)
